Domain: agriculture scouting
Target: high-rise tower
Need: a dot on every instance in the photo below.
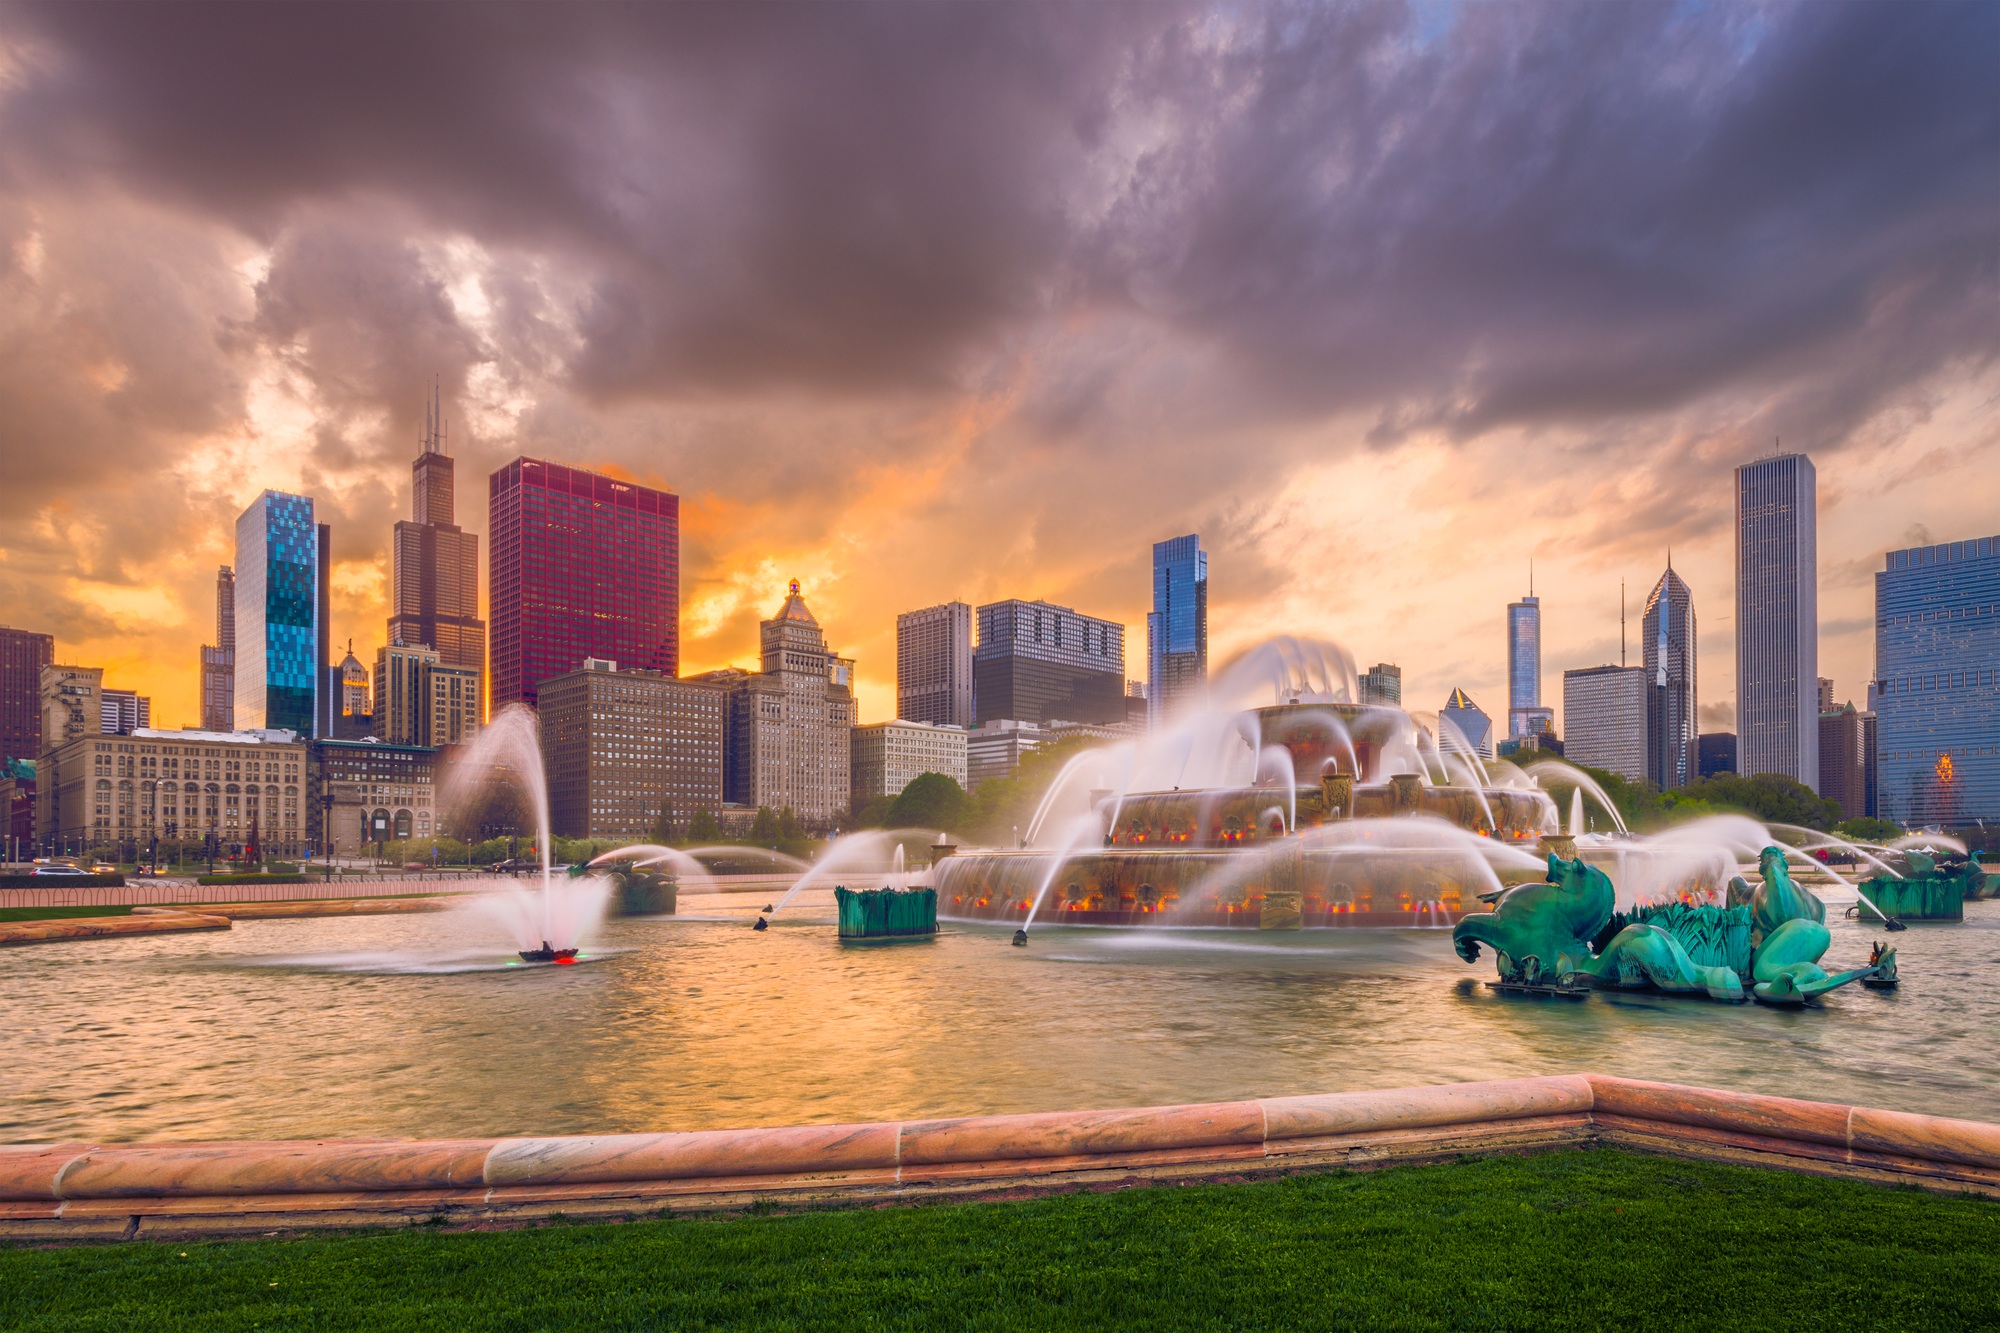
(218, 661)
(278, 669)
(1672, 755)
(1777, 618)
(1177, 628)
(1525, 714)
(934, 665)
(435, 580)
(582, 566)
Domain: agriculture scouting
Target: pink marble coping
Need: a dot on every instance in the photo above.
(595, 1159)
(1744, 1112)
(1080, 1133)
(89, 1180)
(1935, 1138)
(167, 1170)
(1423, 1108)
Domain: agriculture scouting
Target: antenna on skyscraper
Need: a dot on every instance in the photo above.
(1621, 622)
(1531, 576)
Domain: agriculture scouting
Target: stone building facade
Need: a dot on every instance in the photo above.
(110, 792)
(888, 756)
(621, 746)
(789, 724)
(381, 793)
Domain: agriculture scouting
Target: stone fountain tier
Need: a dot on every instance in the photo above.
(1289, 886)
(1231, 816)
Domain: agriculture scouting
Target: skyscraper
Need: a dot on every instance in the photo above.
(1177, 628)
(1037, 662)
(789, 725)
(1467, 721)
(23, 654)
(582, 565)
(1673, 758)
(934, 665)
(278, 669)
(1525, 714)
(326, 708)
(1382, 684)
(621, 747)
(218, 660)
(1604, 719)
(1937, 692)
(1777, 618)
(434, 581)
(124, 711)
(1847, 772)
(356, 712)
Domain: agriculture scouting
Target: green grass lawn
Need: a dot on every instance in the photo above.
(58, 913)
(1587, 1240)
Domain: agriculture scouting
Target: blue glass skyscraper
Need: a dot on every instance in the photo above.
(1177, 628)
(278, 676)
(1525, 714)
(1937, 692)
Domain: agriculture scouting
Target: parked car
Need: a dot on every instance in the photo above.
(519, 865)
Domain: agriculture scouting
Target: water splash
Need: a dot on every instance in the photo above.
(509, 752)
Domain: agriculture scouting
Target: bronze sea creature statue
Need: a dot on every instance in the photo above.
(1543, 935)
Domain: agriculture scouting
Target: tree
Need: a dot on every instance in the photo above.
(1002, 807)
(872, 811)
(764, 828)
(663, 827)
(1771, 797)
(704, 828)
(1866, 828)
(931, 801)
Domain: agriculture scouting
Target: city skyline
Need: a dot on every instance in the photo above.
(1088, 355)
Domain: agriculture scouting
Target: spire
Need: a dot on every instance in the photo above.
(1531, 576)
(432, 440)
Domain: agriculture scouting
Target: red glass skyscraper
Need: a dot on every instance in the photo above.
(581, 565)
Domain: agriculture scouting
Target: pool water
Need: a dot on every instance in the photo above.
(417, 1026)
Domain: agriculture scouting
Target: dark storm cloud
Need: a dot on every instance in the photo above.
(1540, 212)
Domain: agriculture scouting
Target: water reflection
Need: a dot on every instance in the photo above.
(327, 1027)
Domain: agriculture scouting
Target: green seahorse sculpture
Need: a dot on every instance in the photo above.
(1543, 933)
(1540, 932)
(1789, 937)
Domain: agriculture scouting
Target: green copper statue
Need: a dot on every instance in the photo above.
(1790, 936)
(1542, 936)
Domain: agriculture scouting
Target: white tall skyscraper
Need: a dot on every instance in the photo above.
(1777, 618)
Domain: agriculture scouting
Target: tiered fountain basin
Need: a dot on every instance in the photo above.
(1297, 887)
(1326, 851)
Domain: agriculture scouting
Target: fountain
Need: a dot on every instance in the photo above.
(1564, 938)
(546, 924)
(1311, 811)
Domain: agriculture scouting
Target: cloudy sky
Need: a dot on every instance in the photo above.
(918, 302)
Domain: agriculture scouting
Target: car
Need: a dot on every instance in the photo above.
(56, 870)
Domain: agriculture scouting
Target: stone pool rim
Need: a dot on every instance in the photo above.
(86, 1191)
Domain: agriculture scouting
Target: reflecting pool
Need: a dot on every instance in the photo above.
(394, 1026)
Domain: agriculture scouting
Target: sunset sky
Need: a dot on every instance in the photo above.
(919, 302)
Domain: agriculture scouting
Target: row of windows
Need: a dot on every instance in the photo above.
(1947, 680)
